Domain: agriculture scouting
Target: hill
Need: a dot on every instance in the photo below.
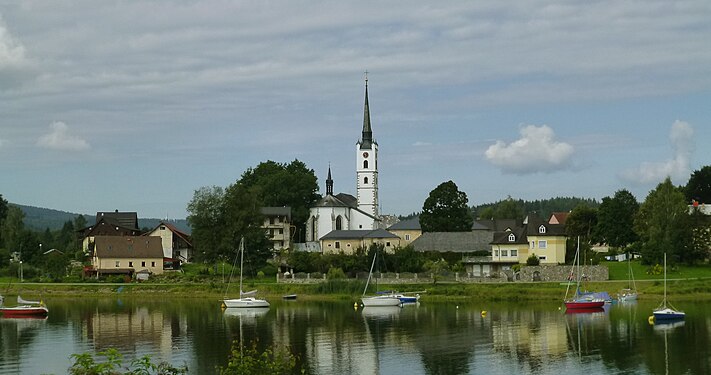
(38, 219)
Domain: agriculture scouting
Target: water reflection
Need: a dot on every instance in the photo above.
(330, 337)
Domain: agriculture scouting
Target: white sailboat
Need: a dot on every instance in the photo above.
(245, 299)
(630, 293)
(664, 312)
(379, 300)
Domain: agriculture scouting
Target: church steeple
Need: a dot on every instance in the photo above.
(329, 182)
(367, 138)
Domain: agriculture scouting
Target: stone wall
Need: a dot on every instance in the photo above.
(551, 273)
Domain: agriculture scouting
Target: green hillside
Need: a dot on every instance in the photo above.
(39, 219)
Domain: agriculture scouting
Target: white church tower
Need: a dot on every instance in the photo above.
(367, 165)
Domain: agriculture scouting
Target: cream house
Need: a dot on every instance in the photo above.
(546, 241)
(177, 245)
(408, 230)
(347, 241)
(126, 255)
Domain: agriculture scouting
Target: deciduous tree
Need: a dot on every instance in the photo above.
(446, 210)
(615, 219)
(699, 186)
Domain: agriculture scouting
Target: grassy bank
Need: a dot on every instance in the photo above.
(688, 289)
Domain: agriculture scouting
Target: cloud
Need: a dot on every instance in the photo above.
(678, 167)
(59, 139)
(12, 52)
(536, 151)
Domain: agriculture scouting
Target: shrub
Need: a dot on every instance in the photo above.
(533, 260)
(248, 360)
(335, 273)
(85, 364)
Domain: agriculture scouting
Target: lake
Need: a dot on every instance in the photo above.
(335, 338)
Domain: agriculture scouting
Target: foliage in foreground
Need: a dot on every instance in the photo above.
(86, 364)
(243, 360)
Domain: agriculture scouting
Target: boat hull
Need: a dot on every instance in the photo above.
(668, 314)
(244, 303)
(24, 311)
(380, 301)
(573, 305)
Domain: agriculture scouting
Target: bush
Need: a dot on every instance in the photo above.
(533, 260)
(248, 360)
(335, 273)
(268, 270)
(85, 364)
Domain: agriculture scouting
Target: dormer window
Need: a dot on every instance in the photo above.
(542, 229)
(512, 238)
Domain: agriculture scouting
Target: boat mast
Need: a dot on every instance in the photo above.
(370, 273)
(241, 264)
(664, 302)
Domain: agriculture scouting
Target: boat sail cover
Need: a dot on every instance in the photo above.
(21, 301)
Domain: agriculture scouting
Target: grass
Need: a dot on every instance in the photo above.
(619, 271)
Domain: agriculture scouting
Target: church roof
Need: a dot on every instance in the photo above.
(367, 138)
(331, 201)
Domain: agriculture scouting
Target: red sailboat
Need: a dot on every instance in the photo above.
(581, 301)
(24, 309)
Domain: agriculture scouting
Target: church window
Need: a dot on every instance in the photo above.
(365, 181)
(365, 164)
(313, 228)
(339, 223)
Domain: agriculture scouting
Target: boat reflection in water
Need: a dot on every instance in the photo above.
(246, 312)
(589, 310)
(381, 312)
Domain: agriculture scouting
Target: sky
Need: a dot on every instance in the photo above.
(134, 105)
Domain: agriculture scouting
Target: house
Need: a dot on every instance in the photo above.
(126, 255)
(546, 241)
(109, 224)
(177, 245)
(558, 217)
(466, 243)
(347, 241)
(277, 224)
(408, 230)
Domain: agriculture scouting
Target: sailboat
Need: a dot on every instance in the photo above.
(245, 299)
(378, 300)
(581, 301)
(630, 293)
(664, 312)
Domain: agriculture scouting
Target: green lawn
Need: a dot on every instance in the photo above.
(619, 271)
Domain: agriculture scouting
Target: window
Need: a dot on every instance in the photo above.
(407, 237)
(118, 264)
(143, 264)
(504, 253)
(542, 258)
(514, 253)
(130, 264)
(338, 245)
(153, 264)
(533, 244)
(365, 164)
(387, 244)
(365, 181)
(512, 238)
(542, 244)
(162, 227)
(542, 229)
(339, 223)
(281, 231)
(496, 253)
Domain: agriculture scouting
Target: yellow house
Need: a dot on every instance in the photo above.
(509, 247)
(347, 241)
(407, 230)
(546, 241)
(127, 255)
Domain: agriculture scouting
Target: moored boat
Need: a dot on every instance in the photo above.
(581, 300)
(378, 300)
(244, 301)
(664, 312)
(24, 308)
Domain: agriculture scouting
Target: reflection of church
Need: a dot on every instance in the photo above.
(344, 212)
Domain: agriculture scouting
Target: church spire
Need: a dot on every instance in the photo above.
(367, 138)
(329, 182)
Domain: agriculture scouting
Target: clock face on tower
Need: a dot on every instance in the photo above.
(365, 154)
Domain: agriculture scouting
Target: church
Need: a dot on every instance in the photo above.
(343, 215)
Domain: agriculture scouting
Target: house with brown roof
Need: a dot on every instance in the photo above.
(347, 241)
(126, 255)
(109, 224)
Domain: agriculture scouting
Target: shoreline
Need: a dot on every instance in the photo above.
(678, 289)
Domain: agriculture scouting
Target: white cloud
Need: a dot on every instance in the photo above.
(678, 167)
(536, 151)
(12, 53)
(421, 144)
(59, 139)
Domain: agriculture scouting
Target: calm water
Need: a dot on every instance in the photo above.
(333, 338)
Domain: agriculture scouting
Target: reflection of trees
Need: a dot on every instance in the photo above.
(445, 337)
(17, 335)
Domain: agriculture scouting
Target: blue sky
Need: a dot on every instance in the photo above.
(135, 105)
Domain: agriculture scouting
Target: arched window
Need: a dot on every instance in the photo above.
(339, 223)
(512, 238)
(313, 228)
(542, 229)
(365, 164)
(365, 180)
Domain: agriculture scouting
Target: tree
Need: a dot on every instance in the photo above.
(663, 225)
(206, 218)
(3, 215)
(504, 209)
(699, 186)
(12, 228)
(581, 223)
(242, 218)
(285, 185)
(615, 219)
(446, 210)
